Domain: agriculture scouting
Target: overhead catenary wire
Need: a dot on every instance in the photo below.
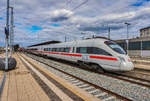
(80, 5)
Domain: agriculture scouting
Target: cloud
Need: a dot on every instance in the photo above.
(61, 15)
(40, 20)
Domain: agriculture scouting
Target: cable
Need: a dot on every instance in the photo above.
(80, 5)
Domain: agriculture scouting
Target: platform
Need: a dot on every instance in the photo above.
(20, 85)
(142, 66)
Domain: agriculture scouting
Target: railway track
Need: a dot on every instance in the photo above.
(128, 77)
(93, 89)
(142, 87)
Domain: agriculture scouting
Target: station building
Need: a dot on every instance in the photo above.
(139, 46)
(145, 32)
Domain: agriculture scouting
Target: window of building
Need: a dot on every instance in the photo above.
(146, 45)
(134, 45)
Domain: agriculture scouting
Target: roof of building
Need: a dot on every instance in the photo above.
(134, 39)
(144, 28)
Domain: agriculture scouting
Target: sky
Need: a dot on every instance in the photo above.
(38, 21)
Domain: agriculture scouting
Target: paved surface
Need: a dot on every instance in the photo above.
(21, 86)
(76, 90)
(142, 66)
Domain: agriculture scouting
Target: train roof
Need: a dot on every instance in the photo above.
(85, 41)
(45, 43)
(79, 42)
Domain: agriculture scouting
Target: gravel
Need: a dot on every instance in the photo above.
(126, 89)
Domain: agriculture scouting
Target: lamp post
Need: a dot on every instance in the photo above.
(11, 32)
(127, 35)
(108, 32)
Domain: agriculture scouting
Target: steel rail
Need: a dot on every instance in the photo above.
(97, 87)
(111, 74)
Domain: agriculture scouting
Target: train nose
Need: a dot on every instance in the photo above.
(126, 65)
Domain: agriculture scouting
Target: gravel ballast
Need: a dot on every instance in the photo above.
(126, 89)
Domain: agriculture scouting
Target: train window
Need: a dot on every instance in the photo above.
(61, 49)
(53, 49)
(73, 50)
(81, 50)
(57, 49)
(66, 49)
(100, 51)
(45, 49)
(95, 50)
(115, 47)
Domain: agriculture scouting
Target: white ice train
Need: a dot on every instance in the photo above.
(97, 53)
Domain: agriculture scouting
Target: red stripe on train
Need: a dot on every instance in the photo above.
(104, 58)
(77, 55)
(80, 55)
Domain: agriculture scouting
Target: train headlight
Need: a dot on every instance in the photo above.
(129, 60)
(121, 59)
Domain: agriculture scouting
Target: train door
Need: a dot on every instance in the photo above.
(73, 53)
(84, 52)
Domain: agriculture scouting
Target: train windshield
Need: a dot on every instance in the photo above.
(115, 47)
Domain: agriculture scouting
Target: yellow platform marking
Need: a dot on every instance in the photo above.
(59, 92)
(76, 90)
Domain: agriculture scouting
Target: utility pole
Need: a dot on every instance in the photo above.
(11, 32)
(65, 39)
(109, 33)
(127, 35)
(141, 48)
(7, 34)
